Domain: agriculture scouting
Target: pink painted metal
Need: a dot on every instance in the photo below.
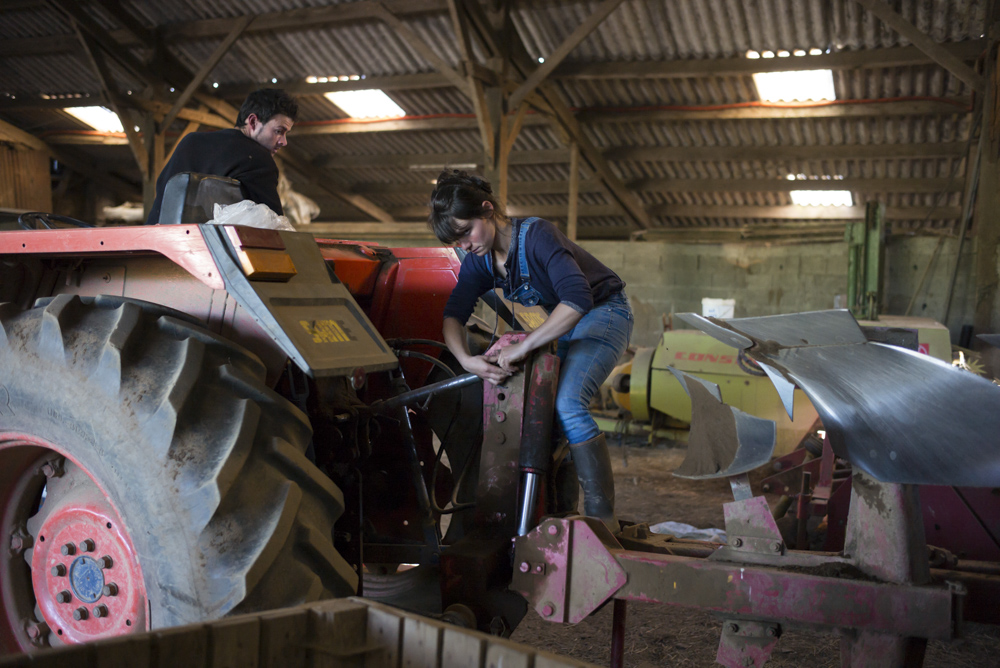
(750, 527)
(571, 569)
(746, 644)
(183, 244)
(36, 585)
(584, 573)
(71, 517)
(963, 520)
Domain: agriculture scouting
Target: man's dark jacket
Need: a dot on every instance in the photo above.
(224, 153)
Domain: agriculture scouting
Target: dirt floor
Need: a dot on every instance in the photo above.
(659, 635)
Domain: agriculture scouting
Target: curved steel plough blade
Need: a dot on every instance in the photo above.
(896, 414)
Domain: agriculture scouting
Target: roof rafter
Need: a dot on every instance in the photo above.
(687, 154)
(941, 56)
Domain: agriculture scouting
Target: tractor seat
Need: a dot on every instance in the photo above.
(189, 198)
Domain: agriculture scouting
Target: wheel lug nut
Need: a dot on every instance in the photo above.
(100, 611)
(64, 597)
(37, 630)
(87, 545)
(59, 570)
(80, 614)
(68, 549)
(110, 589)
(105, 562)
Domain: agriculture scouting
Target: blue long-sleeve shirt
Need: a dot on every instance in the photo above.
(560, 270)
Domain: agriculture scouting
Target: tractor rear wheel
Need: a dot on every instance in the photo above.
(148, 478)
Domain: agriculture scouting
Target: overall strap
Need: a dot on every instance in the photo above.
(522, 257)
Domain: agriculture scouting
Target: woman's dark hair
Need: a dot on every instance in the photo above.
(459, 195)
(267, 103)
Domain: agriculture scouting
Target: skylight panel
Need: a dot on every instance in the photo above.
(368, 103)
(99, 118)
(822, 197)
(795, 86)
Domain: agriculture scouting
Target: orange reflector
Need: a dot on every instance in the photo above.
(266, 265)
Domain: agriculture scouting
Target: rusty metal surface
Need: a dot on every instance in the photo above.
(566, 568)
(885, 531)
(499, 474)
(746, 644)
(750, 527)
(826, 597)
(183, 244)
(898, 415)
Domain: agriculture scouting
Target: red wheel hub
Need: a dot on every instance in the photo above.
(85, 576)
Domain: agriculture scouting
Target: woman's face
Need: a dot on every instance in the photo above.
(476, 235)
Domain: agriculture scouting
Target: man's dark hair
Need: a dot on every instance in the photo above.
(267, 103)
(459, 195)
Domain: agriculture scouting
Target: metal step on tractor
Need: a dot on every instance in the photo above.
(200, 420)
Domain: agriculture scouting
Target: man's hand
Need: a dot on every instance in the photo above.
(511, 356)
(486, 370)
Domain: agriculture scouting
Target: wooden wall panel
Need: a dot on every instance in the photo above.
(25, 182)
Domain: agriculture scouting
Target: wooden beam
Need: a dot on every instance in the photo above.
(559, 55)
(437, 161)
(97, 61)
(205, 69)
(85, 24)
(905, 56)
(792, 212)
(470, 122)
(754, 111)
(416, 43)
(418, 81)
(915, 185)
(782, 153)
(79, 164)
(311, 18)
(200, 116)
(789, 212)
(22, 140)
(352, 126)
(573, 208)
(919, 39)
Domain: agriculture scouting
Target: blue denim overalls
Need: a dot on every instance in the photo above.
(523, 293)
(588, 352)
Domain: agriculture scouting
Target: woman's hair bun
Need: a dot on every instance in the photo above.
(458, 177)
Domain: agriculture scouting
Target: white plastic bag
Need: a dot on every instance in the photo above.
(250, 214)
(680, 530)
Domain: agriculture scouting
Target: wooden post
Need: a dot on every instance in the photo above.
(574, 190)
(25, 180)
(987, 218)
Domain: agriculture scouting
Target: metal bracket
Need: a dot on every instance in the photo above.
(746, 644)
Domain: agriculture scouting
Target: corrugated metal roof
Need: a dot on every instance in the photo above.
(638, 31)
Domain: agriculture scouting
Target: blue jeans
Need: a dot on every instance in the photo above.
(589, 352)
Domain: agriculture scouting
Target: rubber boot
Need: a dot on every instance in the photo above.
(593, 468)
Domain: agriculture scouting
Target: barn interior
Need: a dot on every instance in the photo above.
(726, 158)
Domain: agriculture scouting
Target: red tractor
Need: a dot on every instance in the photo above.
(198, 420)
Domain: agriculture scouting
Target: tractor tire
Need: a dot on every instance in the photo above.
(141, 451)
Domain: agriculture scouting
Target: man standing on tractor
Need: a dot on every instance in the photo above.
(244, 153)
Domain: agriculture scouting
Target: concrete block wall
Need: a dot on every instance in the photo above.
(909, 259)
(662, 278)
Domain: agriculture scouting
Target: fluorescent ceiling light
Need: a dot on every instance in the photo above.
(370, 103)
(99, 118)
(822, 197)
(790, 86)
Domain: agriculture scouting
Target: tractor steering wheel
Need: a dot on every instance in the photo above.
(31, 219)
